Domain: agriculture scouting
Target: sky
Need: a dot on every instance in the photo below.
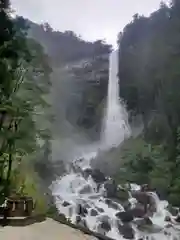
(91, 19)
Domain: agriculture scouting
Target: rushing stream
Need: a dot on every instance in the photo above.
(90, 199)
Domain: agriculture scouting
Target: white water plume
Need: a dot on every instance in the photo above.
(116, 127)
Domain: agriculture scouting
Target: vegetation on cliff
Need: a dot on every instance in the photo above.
(24, 74)
(149, 70)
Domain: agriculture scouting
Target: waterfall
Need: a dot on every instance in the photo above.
(115, 127)
(81, 194)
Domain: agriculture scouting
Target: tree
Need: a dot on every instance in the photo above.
(149, 71)
(24, 72)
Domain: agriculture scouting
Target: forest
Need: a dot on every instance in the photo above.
(149, 73)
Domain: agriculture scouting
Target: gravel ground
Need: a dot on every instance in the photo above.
(47, 230)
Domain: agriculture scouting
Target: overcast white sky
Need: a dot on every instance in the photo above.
(92, 19)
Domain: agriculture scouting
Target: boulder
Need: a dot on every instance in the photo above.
(87, 206)
(112, 204)
(81, 222)
(65, 204)
(150, 228)
(167, 219)
(173, 210)
(177, 219)
(93, 212)
(129, 215)
(111, 188)
(87, 172)
(98, 176)
(101, 210)
(105, 226)
(137, 212)
(144, 188)
(141, 197)
(62, 217)
(122, 194)
(143, 222)
(82, 211)
(85, 189)
(125, 216)
(144, 199)
(126, 205)
(126, 231)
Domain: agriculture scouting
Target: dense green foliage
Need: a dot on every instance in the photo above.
(24, 74)
(149, 70)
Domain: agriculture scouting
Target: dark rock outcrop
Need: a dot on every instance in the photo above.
(173, 210)
(105, 226)
(177, 219)
(98, 176)
(93, 212)
(101, 210)
(87, 172)
(81, 222)
(66, 204)
(141, 197)
(111, 189)
(126, 231)
(125, 216)
(129, 215)
(82, 211)
(86, 189)
(122, 194)
(143, 222)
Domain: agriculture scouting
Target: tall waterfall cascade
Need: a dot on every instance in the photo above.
(115, 127)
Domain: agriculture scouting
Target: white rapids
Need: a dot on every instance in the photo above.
(69, 189)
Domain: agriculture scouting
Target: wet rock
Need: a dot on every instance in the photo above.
(125, 216)
(177, 219)
(143, 222)
(82, 211)
(126, 231)
(86, 189)
(145, 188)
(93, 212)
(87, 206)
(62, 217)
(70, 211)
(173, 210)
(81, 222)
(129, 215)
(152, 228)
(111, 188)
(122, 194)
(144, 199)
(87, 172)
(98, 176)
(112, 204)
(105, 226)
(169, 225)
(126, 205)
(141, 197)
(104, 218)
(137, 212)
(66, 204)
(101, 210)
(167, 219)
